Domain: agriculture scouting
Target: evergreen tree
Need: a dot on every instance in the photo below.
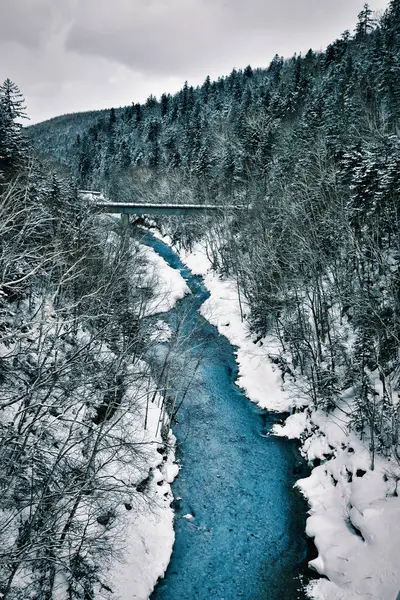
(366, 22)
(164, 104)
(13, 144)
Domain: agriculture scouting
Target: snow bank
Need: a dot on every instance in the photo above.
(197, 260)
(150, 273)
(169, 283)
(354, 512)
(149, 533)
(258, 377)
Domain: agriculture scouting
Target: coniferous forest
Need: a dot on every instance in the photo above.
(309, 147)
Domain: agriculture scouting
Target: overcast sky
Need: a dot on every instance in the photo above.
(72, 55)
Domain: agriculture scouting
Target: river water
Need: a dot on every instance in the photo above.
(245, 537)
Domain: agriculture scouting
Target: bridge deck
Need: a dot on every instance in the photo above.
(136, 208)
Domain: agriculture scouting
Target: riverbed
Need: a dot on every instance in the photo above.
(239, 523)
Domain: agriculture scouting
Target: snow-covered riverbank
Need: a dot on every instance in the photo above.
(354, 512)
(239, 526)
(169, 285)
(148, 534)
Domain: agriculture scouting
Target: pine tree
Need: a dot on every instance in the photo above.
(164, 104)
(13, 145)
(138, 111)
(366, 23)
(113, 116)
(206, 89)
(248, 72)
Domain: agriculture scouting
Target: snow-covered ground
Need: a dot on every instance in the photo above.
(148, 527)
(354, 512)
(148, 532)
(258, 377)
(168, 282)
(152, 272)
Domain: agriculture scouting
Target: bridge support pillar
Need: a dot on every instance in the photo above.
(124, 232)
(124, 220)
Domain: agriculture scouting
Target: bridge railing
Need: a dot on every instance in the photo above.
(137, 208)
(147, 208)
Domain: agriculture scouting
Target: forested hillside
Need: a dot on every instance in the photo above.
(74, 436)
(68, 127)
(311, 145)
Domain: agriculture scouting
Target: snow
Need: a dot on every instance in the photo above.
(171, 471)
(162, 332)
(148, 527)
(145, 537)
(149, 532)
(293, 426)
(354, 514)
(149, 537)
(258, 377)
(169, 283)
(197, 260)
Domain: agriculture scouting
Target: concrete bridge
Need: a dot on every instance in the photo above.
(137, 208)
(145, 208)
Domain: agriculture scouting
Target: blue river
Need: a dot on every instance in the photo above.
(245, 538)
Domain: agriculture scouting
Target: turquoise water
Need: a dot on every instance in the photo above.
(246, 540)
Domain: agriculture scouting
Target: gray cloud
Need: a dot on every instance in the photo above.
(174, 36)
(80, 54)
(26, 24)
(160, 37)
